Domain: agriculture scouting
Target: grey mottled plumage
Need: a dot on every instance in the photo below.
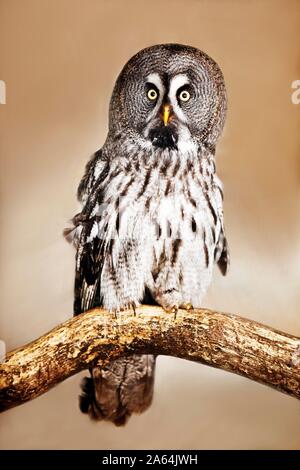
(151, 225)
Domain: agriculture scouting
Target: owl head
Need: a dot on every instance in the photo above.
(169, 96)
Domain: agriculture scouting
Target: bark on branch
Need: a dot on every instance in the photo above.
(225, 341)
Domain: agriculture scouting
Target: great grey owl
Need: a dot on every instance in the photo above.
(151, 225)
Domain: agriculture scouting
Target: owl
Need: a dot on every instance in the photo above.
(151, 226)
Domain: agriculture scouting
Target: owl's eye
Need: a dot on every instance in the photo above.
(152, 94)
(184, 95)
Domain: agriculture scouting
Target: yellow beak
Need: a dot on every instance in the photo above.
(166, 114)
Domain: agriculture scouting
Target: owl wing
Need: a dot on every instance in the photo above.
(84, 235)
(221, 254)
(96, 171)
(88, 269)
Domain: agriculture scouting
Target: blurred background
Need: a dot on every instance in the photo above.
(59, 60)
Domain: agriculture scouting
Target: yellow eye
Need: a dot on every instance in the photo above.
(184, 95)
(152, 94)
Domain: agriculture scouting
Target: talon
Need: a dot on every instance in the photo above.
(175, 311)
(171, 309)
(187, 306)
(134, 311)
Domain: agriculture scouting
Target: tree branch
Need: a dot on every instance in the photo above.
(217, 339)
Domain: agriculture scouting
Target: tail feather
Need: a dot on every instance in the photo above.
(124, 387)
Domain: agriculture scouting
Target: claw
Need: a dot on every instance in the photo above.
(187, 306)
(133, 308)
(175, 311)
(172, 309)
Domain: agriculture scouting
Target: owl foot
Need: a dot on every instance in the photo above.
(187, 306)
(169, 300)
(172, 309)
(133, 306)
(120, 310)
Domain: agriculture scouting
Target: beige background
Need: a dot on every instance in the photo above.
(59, 59)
